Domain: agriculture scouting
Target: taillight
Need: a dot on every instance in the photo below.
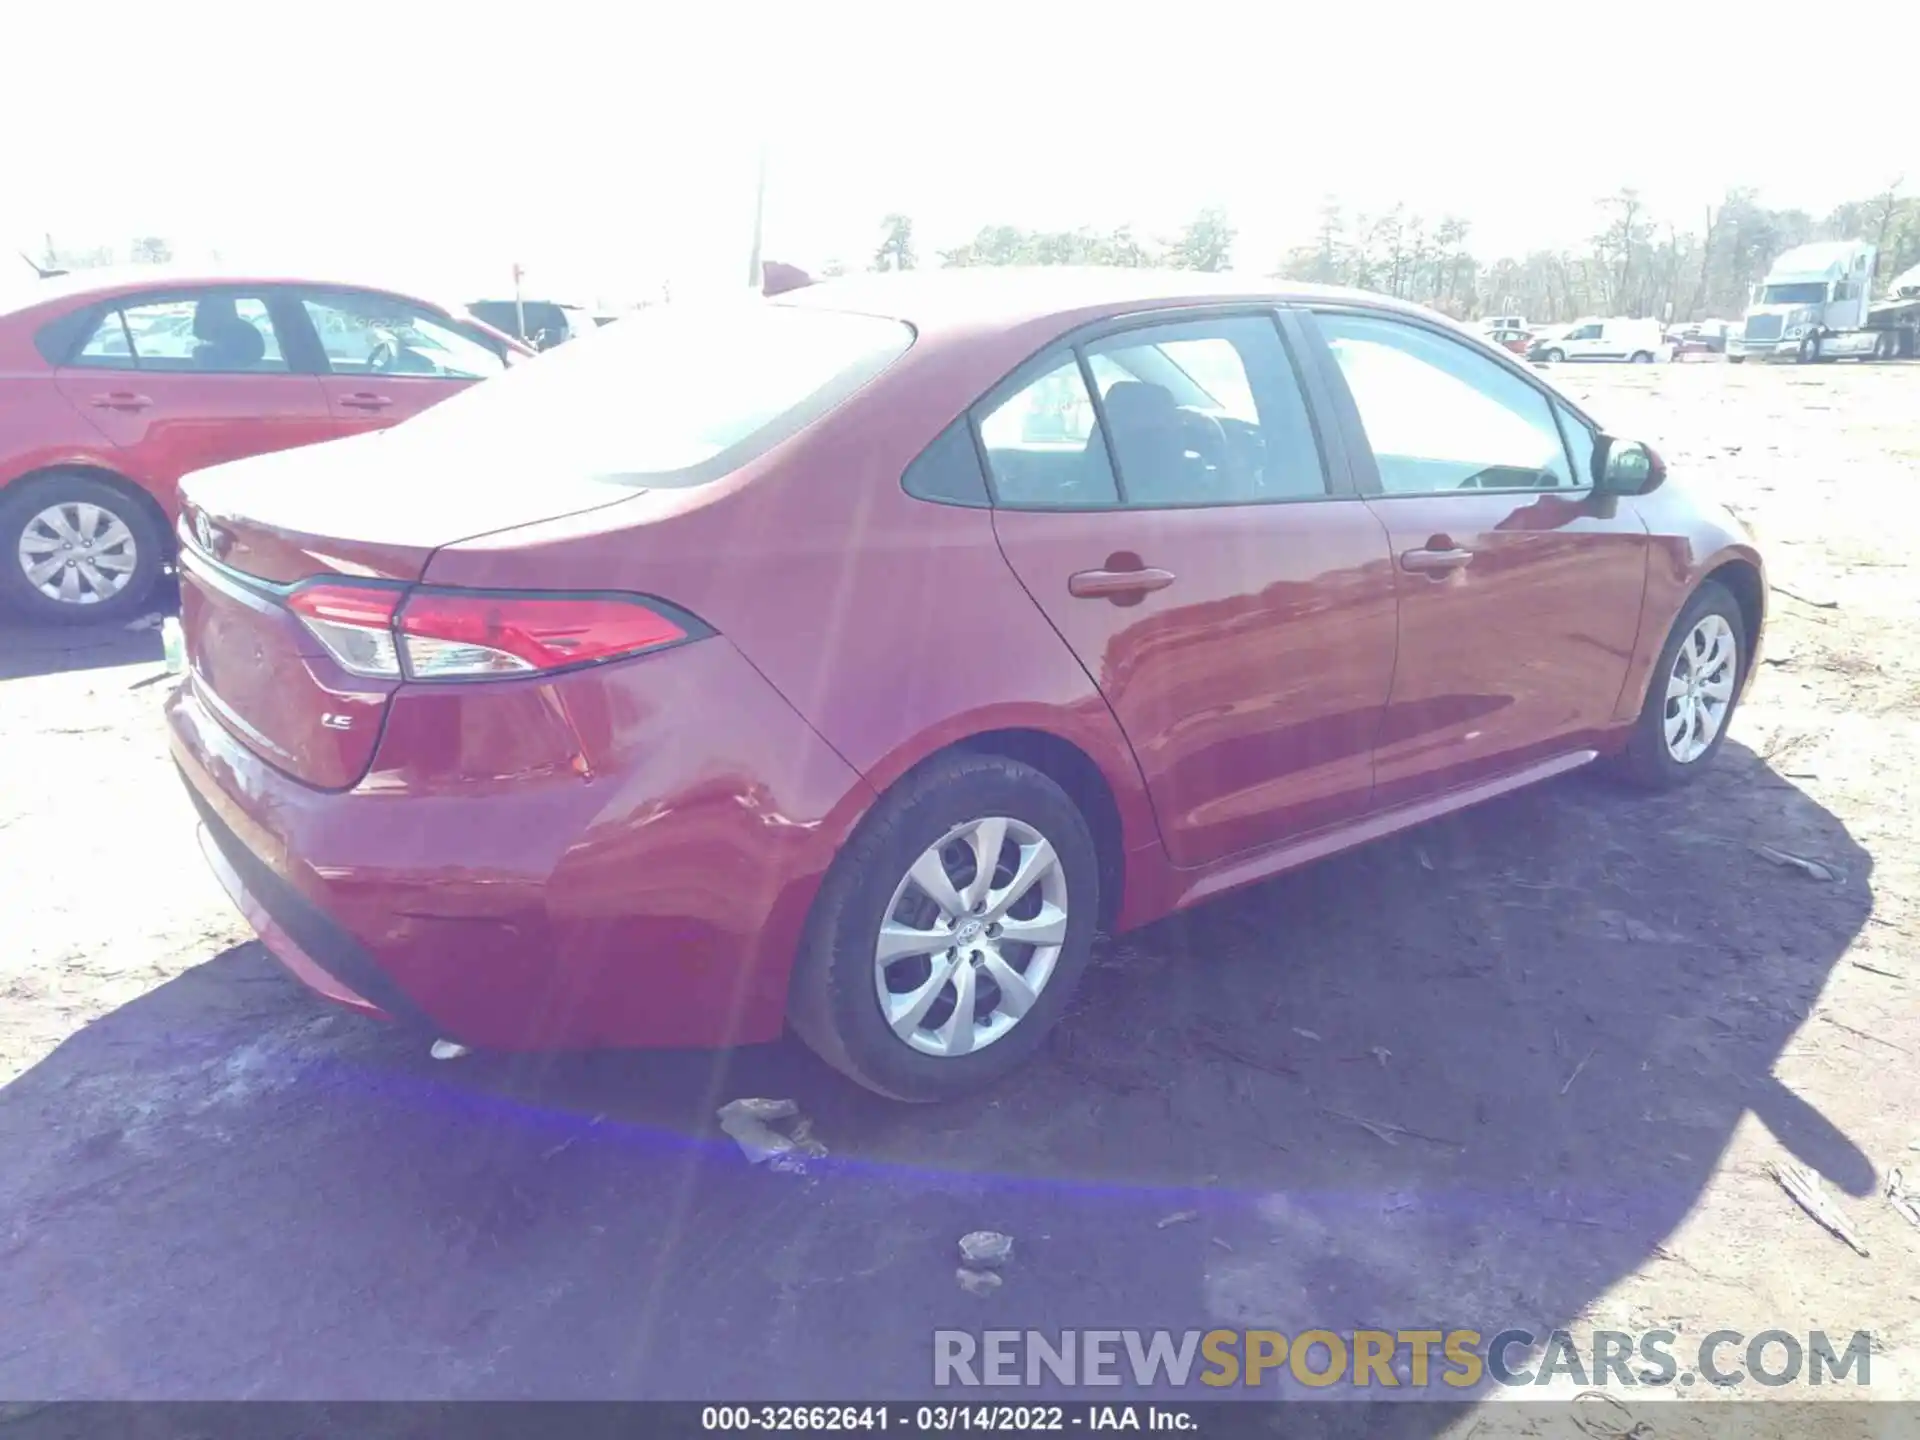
(354, 622)
(431, 634)
(449, 633)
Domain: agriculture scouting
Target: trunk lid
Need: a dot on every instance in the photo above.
(375, 505)
(371, 507)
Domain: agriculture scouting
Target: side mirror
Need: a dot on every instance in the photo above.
(1627, 467)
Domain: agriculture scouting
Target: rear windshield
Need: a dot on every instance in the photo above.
(673, 396)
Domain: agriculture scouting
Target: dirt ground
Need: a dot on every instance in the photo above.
(1591, 1016)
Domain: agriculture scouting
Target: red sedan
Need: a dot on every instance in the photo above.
(847, 659)
(114, 384)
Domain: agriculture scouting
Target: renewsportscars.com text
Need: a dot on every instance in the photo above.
(1452, 1360)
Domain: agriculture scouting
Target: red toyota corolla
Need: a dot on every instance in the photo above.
(115, 383)
(848, 659)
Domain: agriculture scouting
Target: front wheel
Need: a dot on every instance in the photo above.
(1691, 697)
(1809, 353)
(75, 548)
(951, 932)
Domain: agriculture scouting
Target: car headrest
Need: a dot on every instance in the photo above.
(212, 314)
(1137, 403)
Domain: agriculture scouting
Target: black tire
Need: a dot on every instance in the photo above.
(1736, 359)
(1809, 353)
(1642, 357)
(831, 1002)
(1554, 357)
(1646, 762)
(26, 499)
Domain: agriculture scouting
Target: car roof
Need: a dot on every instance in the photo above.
(972, 299)
(105, 281)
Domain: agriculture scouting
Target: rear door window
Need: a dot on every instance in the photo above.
(216, 333)
(1044, 449)
(1206, 412)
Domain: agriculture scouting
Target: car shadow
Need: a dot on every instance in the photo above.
(29, 647)
(1472, 1076)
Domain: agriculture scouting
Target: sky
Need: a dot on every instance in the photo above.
(611, 148)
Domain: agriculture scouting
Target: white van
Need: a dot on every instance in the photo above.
(1640, 341)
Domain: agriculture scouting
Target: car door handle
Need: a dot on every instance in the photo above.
(1435, 562)
(364, 400)
(1121, 585)
(121, 400)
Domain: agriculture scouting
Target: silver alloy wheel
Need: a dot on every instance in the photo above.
(78, 553)
(971, 936)
(1700, 688)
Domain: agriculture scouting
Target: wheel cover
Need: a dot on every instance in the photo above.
(1700, 688)
(971, 937)
(78, 553)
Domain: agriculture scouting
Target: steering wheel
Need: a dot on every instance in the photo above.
(1206, 437)
(383, 354)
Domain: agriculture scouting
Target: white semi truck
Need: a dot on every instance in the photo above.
(1816, 304)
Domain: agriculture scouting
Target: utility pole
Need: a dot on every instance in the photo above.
(519, 305)
(759, 219)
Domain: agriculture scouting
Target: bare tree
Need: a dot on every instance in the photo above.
(1706, 261)
(1886, 209)
(1626, 233)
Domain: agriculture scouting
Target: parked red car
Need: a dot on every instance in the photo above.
(849, 658)
(114, 384)
(1517, 342)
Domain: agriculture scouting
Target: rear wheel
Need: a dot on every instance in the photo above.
(1554, 357)
(951, 932)
(75, 548)
(1642, 357)
(1691, 697)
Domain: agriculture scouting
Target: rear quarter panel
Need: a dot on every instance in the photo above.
(39, 428)
(893, 625)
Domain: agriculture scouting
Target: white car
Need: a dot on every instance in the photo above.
(1638, 341)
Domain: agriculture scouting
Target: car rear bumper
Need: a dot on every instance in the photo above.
(226, 857)
(656, 900)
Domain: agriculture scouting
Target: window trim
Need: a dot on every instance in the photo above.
(97, 311)
(1335, 464)
(1366, 467)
